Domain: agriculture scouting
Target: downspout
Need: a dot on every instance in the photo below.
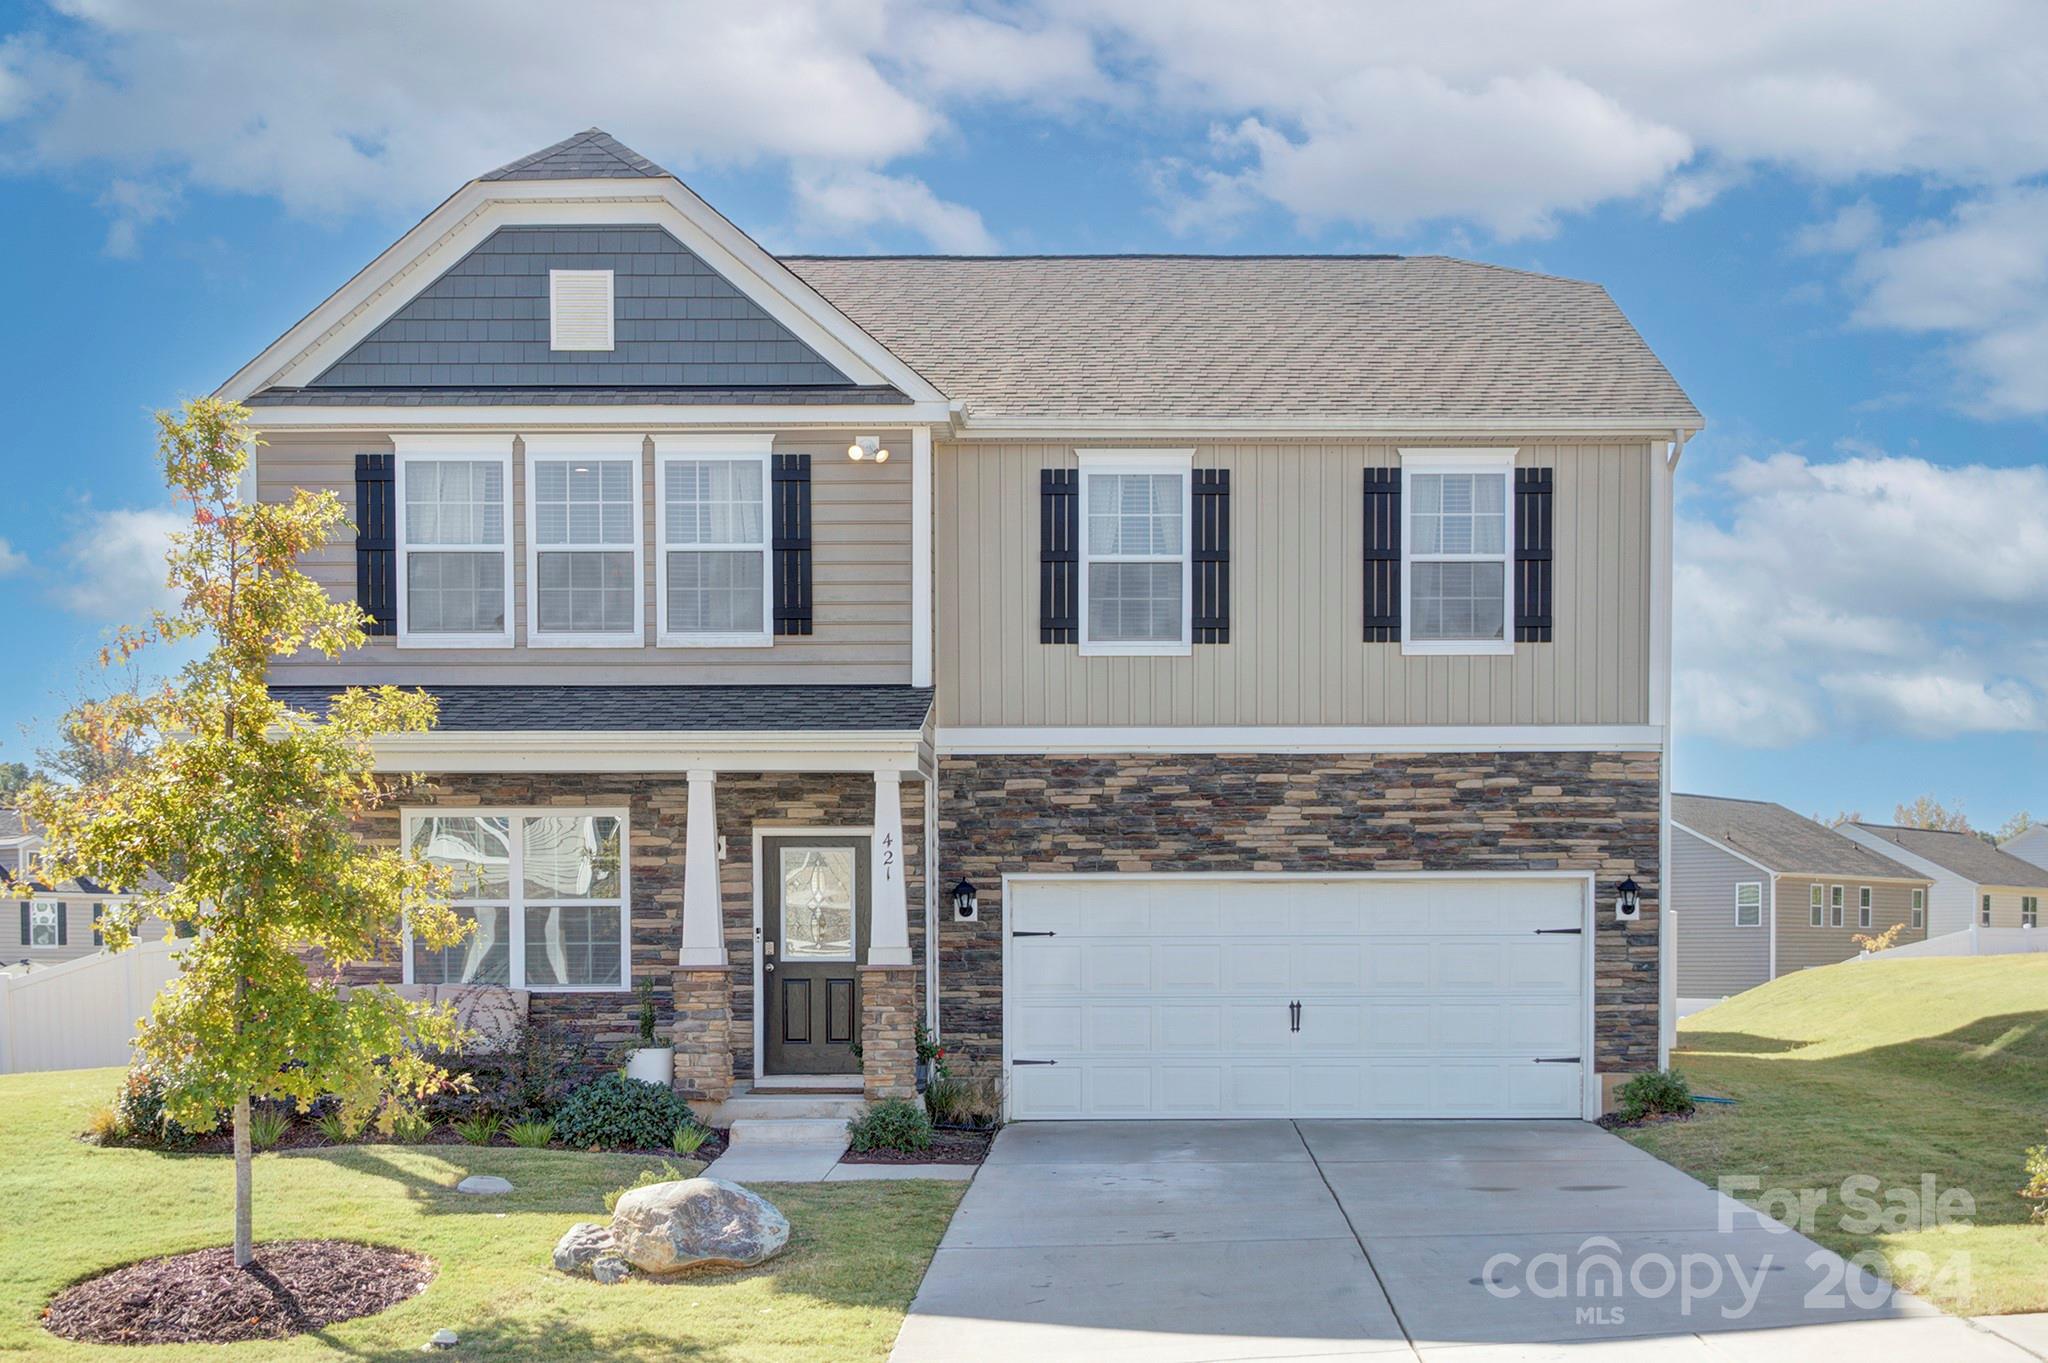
(1662, 470)
(1773, 934)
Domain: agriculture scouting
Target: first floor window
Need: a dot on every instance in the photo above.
(1814, 905)
(714, 548)
(1984, 912)
(1863, 906)
(1919, 908)
(583, 520)
(2030, 911)
(44, 918)
(1835, 898)
(1134, 528)
(1458, 546)
(455, 540)
(1749, 904)
(546, 889)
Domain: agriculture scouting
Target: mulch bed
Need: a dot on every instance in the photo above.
(306, 1136)
(947, 1147)
(1613, 1121)
(292, 1287)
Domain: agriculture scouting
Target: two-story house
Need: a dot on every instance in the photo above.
(1204, 686)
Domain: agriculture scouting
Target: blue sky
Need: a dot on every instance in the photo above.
(1831, 223)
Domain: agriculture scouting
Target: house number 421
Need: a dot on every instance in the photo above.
(888, 857)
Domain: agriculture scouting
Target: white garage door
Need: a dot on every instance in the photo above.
(1367, 997)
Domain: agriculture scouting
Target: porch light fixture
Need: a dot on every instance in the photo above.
(1628, 901)
(865, 445)
(966, 905)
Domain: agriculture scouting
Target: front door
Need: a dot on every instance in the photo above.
(814, 935)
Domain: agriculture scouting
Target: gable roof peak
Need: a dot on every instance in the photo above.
(592, 154)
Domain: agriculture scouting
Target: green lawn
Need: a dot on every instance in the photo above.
(856, 1253)
(1896, 1070)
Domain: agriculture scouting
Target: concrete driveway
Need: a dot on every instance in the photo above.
(1172, 1242)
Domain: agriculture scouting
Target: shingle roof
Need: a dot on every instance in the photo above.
(660, 709)
(1785, 842)
(11, 824)
(576, 397)
(1250, 336)
(1968, 855)
(592, 154)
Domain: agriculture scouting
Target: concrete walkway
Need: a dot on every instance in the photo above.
(819, 1164)
(1200, 1242)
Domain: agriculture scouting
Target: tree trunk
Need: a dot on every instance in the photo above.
(244, 1234)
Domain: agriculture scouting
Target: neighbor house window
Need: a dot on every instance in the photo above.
(1919, 908)
(1835, 897)
(583, 540)
(2030, 911)
(714, 576)
(547, 890)
(454, 542)
(1456, 553)
(1749, 904)
(1814, 905)
(1863, 906)
(1136, 569)
(45, 917)
(1984, 911)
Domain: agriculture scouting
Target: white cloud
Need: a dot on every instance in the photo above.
(12, 560)
(841, 203)
(1865, 595)
(113, 566)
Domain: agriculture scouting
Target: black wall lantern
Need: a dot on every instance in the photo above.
(966, 906)
(1628, 901)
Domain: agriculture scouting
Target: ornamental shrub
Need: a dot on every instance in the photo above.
(617, 1113)
(892, 1124)
(1656, 1093)
(139, 1106)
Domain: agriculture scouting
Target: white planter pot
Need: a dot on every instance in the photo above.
(653, 1065)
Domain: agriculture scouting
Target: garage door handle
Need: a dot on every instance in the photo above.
(1034, 1062)
(1034, 934)
(1557, 1060)
(1572, 932)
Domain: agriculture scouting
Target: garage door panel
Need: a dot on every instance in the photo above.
(1261, 1090)
(1189, 1027)
(1190, 1090)
(1116, 967)
(1118, 1090)
(1251, 967)
(1261, 1026)
(1189, 967)
(1546, 962)
(1048, 1028)
(1047, 968)
(1391, 967)
(1127, 1029)
(1329, 966)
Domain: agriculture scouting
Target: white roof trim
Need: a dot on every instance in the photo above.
(1079, 426)
(565, 417)
(479, 208)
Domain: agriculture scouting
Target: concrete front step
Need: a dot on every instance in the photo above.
(769, 1106)
(788, 1131)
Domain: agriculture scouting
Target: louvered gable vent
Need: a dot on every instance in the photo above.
(579, 309)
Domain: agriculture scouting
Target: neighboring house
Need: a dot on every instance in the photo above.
(1203, 686)
(1976, 885)
(2030, 845)
(58, 923)
(1760, 892)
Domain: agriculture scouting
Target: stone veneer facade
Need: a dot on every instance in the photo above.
(1593, 811)
(656, 810)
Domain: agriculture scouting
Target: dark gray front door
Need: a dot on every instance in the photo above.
(814, 935)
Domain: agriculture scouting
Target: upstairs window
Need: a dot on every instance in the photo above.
(454, 543)
(1749, 904)
(1135, 574)
(1814, 906)
(43, 918)
(583, 540)
(1835, 898)
(1919, 908)
(1863, 907)
(1455, 555)
(714, 572)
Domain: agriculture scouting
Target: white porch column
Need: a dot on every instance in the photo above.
(703, 914)
(889, 924)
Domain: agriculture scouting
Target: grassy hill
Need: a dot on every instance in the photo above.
(1898, 1071)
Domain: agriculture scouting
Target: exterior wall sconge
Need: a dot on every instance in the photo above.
(1628, 901)
(966, 905)
(864, 446)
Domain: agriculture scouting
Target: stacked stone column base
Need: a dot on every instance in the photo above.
(704, 1034)
(888, 1031)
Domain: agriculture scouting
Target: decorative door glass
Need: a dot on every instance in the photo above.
(817, 903)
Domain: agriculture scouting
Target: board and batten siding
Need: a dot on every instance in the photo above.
(860, 514)
(1801, 945)
(1296, 654)
(1716, 956)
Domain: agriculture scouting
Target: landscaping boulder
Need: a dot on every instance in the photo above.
(665, 1229)
(588, 1248)
(484, 1185)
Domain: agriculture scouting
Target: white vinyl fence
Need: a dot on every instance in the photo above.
(1968, 942)
(81, 1014)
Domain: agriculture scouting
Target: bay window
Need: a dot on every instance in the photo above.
(583, 536)
(713, 571)
(454, 541)
(1135, 588)
(1456, 552)
(547, 889)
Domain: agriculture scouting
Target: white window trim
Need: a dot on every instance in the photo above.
(611, 312)
(1984, 911)
(1493, 460)
(1182, 463)
(669, 449)
(1838, 900)
(2033, 902)
(413, 448)
(515, 920)
(1817, 910)
(1864, 912)
(36, 907)
(609, 447)
(1758, 886)
(1919, 908)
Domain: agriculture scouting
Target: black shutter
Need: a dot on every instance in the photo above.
(97, 910)
(792, 543)
(377, 543)
(24, 922)
(63, 925)
(1059, 536)
(1532, 555)
(1383, 556)
(1212, 556)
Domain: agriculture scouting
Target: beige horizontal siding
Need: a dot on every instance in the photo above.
(1716, 955)
(1296, 655)
(860, 564)
(1800, 944)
